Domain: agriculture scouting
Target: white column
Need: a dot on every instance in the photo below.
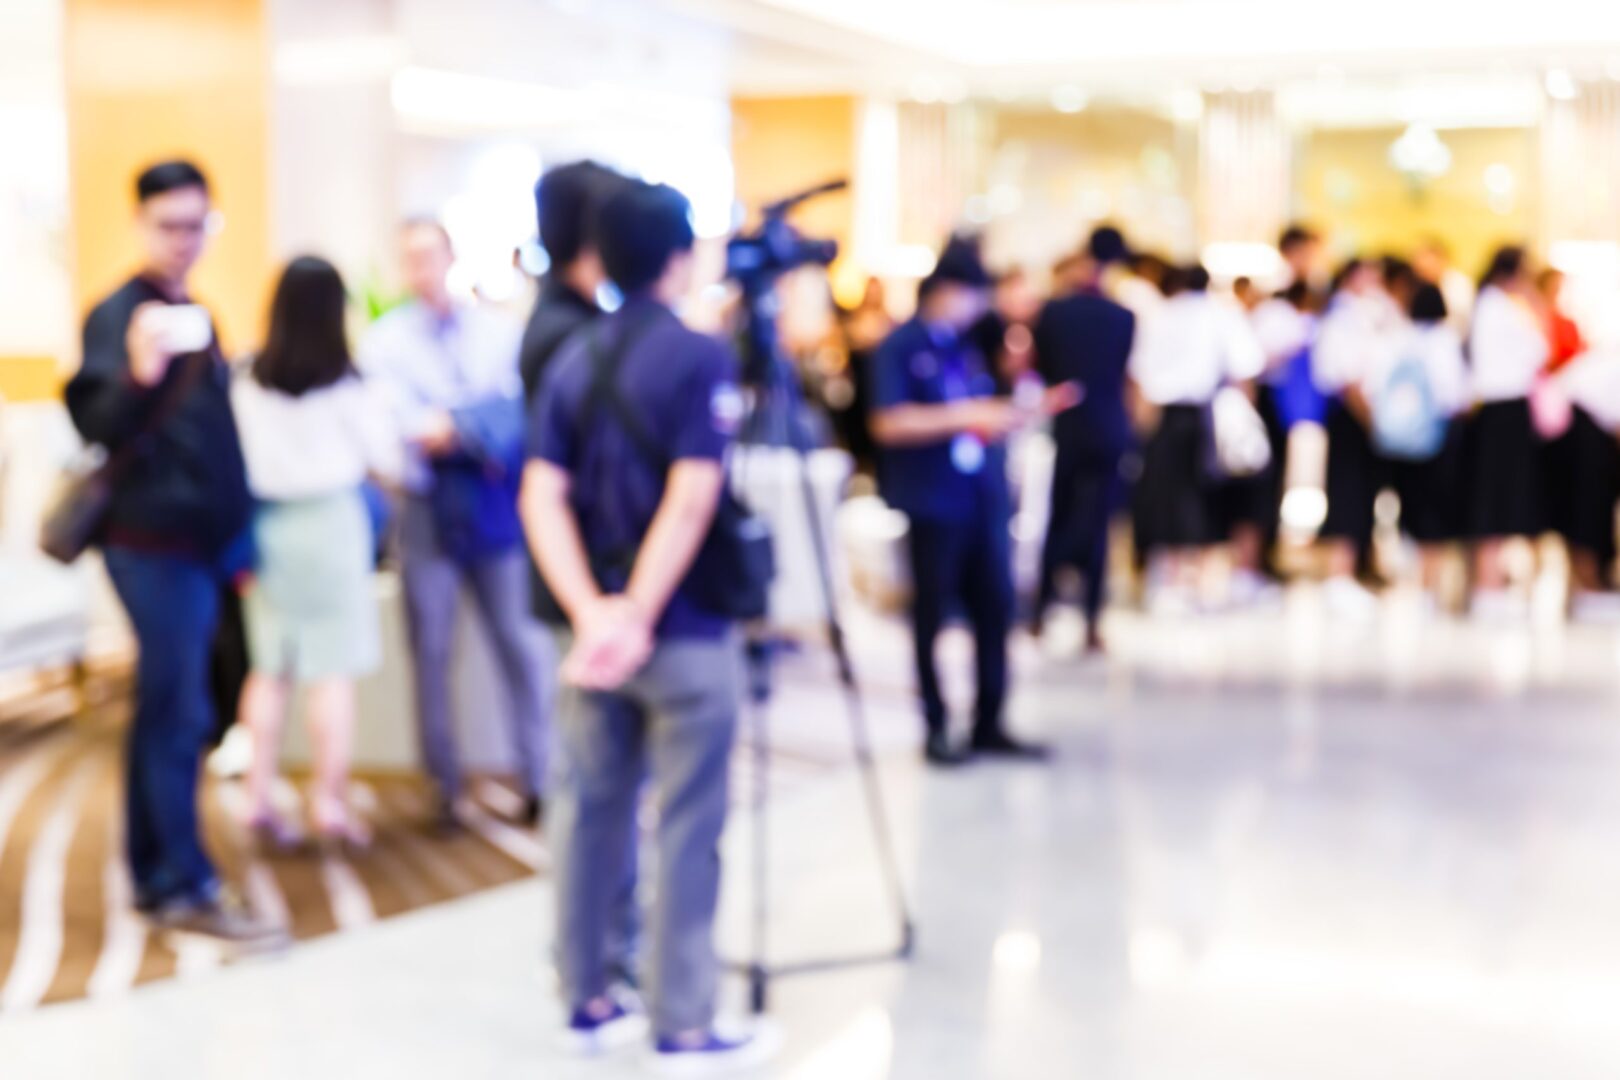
(1244, 177)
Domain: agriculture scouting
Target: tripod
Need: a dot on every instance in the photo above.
(775, 420)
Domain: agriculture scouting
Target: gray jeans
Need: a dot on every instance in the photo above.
(500, 589)
(673, 723)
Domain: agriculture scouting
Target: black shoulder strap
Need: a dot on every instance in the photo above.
(170, 397)
(605, 365)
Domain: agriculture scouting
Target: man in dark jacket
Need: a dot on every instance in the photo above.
(1085, 339)
(153, 376)
(567, 199)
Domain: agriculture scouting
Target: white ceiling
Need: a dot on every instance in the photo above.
(1142, 48)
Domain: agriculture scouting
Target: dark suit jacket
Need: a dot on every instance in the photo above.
(1087, 339)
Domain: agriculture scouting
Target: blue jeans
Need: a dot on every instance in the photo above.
(173, 604)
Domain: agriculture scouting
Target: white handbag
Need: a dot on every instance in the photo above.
(1242, 447)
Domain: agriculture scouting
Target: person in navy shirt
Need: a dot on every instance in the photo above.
(1085, 338)
(615, 518)
(941, 432)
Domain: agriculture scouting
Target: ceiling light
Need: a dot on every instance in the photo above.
(1419, 154)
(1069, 99)
(1561, 85)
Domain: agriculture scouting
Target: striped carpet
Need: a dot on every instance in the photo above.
(66, 926)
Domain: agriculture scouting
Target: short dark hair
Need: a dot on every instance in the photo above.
(1185, 279)
(567, 200)
(167, 176)
(639, 230)
(1507, 262)
(1107, 245)
(1295, 236)
(307, 346)
(1429, 304)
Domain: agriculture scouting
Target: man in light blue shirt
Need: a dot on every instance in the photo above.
(450, 374)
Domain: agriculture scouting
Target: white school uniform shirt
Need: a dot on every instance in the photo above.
(1282, 331)
(1191, 347)
(1592, 381)
(1507, 348)
(1439, 349)
(322, 442)
(1352, 342)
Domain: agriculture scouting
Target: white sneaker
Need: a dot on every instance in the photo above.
(1595, 607)
(716, 1053)
(1250, 589)
(587, 1035)
(1499, 605)
(1169, 602)
(1348, 599)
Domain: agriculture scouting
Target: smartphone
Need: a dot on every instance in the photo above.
(183, 328)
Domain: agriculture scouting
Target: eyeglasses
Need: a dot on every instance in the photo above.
(210, 224)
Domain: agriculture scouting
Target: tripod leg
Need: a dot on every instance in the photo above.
(758, 976)
(860, 731)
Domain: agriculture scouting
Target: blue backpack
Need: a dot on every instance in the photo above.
(1408, 423)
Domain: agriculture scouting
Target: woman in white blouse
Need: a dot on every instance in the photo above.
(1508, 352)
(311, 434)
(1352, 344)
(1193, 346)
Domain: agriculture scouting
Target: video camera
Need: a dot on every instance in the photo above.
(756, 260)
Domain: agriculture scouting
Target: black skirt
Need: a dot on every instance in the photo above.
(1257, 500)
(1504, 472)
(1174, 503)
(1581, 483)
(1355, 475)
(1433, 510)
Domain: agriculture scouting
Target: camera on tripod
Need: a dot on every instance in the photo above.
(755, 260)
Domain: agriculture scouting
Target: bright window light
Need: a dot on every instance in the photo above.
(491, 218)
(1561, 85)
(1230, 261)
(431, 97)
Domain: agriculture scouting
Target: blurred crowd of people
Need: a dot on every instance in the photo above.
(1479, 405)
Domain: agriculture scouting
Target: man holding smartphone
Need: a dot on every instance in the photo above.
(153, 378)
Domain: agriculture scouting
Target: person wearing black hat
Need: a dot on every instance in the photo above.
(940, 431)
(567, 200)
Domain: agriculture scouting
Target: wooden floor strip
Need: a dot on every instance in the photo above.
(39, 941)
(123, 942)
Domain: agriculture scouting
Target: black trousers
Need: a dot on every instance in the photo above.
(1085, 494)
(962, 566)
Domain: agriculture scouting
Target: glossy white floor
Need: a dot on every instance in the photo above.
(1273, 847)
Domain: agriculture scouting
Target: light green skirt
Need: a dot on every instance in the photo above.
(311, 612)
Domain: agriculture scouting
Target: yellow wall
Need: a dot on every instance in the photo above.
(1122, 165)
(1347, 186)
(150, 79)
(783, 145)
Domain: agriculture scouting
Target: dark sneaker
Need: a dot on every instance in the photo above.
(534, 812)
(223, 919)
(714, 1054)
(940, 752)
(998, 744)
(603, 1027)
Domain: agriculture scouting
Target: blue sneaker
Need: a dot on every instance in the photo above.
(592, 1033)
(714, 1054)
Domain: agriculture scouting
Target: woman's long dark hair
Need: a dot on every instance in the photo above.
(307, 347)
(1506, 264)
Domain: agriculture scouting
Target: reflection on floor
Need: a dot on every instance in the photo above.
(1273, 846)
